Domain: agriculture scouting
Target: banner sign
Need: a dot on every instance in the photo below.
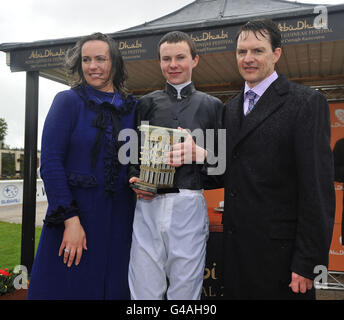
(297, 30)
(336, 258)
(11, 192)
(38, 58)
(303, 30)
(213, 288)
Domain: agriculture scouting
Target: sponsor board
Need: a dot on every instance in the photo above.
(11, 192)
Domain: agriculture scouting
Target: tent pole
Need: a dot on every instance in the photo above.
(30, 170)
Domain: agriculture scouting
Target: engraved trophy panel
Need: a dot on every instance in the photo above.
(156, 175)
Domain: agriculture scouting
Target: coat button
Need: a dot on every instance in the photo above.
(231, 230)
(233, 193)
(235, 156)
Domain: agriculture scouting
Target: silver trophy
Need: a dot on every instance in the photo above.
(156, 175)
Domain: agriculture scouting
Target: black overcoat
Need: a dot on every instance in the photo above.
(279, 191)
(338, 158)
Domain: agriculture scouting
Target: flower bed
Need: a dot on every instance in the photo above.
(15, 295)
(6, 281)
(7, 288)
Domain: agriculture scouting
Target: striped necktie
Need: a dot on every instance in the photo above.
(251, 96)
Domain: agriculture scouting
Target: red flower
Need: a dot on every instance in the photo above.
(4, 272)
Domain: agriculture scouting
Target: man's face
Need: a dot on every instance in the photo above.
(255, 58)
(176, 62)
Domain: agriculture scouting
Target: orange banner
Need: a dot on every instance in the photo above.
(215, 200)
(336, 262)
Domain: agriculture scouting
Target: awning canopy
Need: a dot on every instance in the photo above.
(311, 56)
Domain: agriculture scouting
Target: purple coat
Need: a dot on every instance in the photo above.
(82, 176)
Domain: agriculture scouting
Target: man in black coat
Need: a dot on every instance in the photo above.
(279, 192)
(338, 156)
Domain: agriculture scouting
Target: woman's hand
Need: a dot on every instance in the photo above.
(73, 242)
(145, 195)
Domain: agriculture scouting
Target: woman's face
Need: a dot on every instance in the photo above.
(96, 65)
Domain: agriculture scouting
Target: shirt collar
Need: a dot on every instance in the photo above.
(260, 88)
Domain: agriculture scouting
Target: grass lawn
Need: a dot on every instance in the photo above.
(10, 244)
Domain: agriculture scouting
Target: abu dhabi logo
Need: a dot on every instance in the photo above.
(339, 187)
(339, 113)
(10, 191)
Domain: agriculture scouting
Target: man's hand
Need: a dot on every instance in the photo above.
(145, 195)
(300, 284)
(186, 152)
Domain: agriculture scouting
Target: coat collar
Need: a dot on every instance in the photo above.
(272, 99)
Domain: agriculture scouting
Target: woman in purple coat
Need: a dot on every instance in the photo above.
(84, 247)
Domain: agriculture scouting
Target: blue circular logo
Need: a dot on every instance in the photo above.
(10, 191)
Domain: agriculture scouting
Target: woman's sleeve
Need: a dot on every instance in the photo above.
(57, 131)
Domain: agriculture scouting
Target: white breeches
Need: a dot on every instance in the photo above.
(169, 242)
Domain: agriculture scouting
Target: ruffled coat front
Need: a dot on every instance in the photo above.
(82, 176)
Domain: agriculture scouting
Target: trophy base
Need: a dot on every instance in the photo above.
(155, 190)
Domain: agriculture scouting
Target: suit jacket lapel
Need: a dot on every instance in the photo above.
(272, 99)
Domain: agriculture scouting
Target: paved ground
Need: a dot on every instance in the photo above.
(335, 281)
(14, 214)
